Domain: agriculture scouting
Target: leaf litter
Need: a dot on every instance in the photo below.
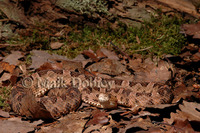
(121, 120)
(182, 115)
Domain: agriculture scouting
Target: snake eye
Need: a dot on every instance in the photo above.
(103, 97)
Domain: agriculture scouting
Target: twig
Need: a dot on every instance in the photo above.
(121, 10)
(117, 48)
(12, 45)
(143, 49)
(1, 20)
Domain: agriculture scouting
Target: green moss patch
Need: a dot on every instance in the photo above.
(158, 37)
(4, 98)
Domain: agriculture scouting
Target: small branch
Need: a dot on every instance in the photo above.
(117, 48)
(144, 49)
(2, 20)
(121, 10)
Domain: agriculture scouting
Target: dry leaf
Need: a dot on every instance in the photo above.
(154, 130)
(93, 129)
(196, 57)
(91, 55)
(7, 67)
(56, 45)
(161, 106)
(41, 57)
(190, 56)
(14, 13)
(135, 64)
(98, 129)
(192, 30)
(100, 54)
(48, 66)
(182, 92)
(191, 110)
(5, 76)
(81, 58)
(145, 113)
(108, 66)
(72, 123)
(181, 127)
(182, 6)
(103, 52)
(12, 58)
(98, 117)
(4, 114)
(185, 54)
(175, 116)
(131, 126)
(72, 65)
(150, 72)
(16, 125)
(62, 65)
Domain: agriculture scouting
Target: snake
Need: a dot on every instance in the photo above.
(51, 94)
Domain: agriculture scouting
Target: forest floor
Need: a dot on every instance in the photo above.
(145, 41)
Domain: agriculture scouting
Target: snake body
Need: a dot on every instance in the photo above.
(57, 92)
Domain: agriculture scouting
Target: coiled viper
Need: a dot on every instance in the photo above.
(53, 93)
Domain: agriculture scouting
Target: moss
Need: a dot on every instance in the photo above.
(28, 59)
(85, 6)
(158, 37)
(4, 98)
(161, 33)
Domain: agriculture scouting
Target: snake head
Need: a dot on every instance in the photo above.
(107, 101)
